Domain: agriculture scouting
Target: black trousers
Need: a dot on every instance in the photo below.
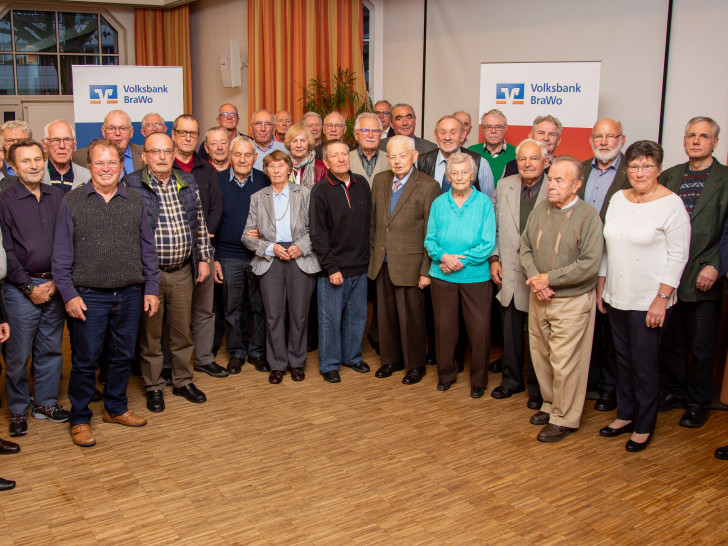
(603, 364)
(692, 328)
(514, 350)
(638, 367)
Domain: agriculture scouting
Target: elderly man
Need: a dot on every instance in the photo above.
(228, 119)
(368, 160)
(561, 249)
(12, 132)
(152, 123)
(401, 201)
(314, 123)
(516, 197)
(59, 141)
(605, 174)
(383, 110)
(702, 183)
(546, 129)
(217, 146)
(284, 120)
(242, 302)
(185, 134)
(405, 123)
(104, 223)
(118, 129)
(340, 218)
(28, 211)
(334, 129)
(261, 125)
(496, 151)
(467, 122)
(177, 220)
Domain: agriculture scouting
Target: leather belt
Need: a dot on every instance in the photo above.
(173, 268)
(40, 275)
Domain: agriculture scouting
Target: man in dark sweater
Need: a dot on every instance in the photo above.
(105, 281)
(340, 216)
(242, 301)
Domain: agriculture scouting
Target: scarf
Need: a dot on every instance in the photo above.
(307, 171)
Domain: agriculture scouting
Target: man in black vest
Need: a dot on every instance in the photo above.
(106, 270)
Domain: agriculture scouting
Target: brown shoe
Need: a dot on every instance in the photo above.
(297, 374)
(81, 436)
(128, 419)
(554, 433)
(540, 418)
(275, 377)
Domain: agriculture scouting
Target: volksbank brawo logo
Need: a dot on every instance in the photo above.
(103, 94)
(509, 93)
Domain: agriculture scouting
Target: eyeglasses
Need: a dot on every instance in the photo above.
(337, 125)
(609, 138)
(154, 125)
(159, 151)
(102, 164)
(228, 115)
(644, 168)
(68, 141)
(185, 134)
(382, 112)
(497, 128)
(366, 132)
(112, 129)
(259, 124)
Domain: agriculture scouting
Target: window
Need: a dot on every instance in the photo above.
(37, 49)
(366, 13)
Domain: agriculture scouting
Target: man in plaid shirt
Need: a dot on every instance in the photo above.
(183, 245)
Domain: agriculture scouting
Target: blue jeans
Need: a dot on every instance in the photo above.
(243, 308)
(116, 312)
(342, 317)
(37, 329)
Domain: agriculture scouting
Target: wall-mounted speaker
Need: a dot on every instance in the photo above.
(230, 63)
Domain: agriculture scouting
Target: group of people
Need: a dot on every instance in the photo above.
(266, 239)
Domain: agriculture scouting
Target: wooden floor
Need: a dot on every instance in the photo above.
(367, 461)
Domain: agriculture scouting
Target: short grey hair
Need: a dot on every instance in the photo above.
(17, 124)
(215, 129)
(149, 115)
(494, 112)
(311, 115)
(241, 139)
(541, 145)
(261, 111)
(699, 119)
(366, 115)
(403, 105)
(550, 119)
(401, 139)
(456, 159)
(575, 165)
(328, 144)
(46, 129)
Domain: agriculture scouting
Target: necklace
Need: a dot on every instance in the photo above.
(288, 202)
(645, 196)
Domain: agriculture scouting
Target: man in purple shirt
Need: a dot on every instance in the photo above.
(28, 211)
(106, 269)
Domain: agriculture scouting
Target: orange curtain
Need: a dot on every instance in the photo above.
(292, 41)
(162, 38)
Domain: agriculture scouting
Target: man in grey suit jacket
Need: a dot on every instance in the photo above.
(59, 141)
(118, 129)
(516, 197)
(604, 175)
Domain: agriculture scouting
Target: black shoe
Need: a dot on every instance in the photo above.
(670, 401)
(155, 401)
(607, 401)
(332, 376)
(235, 365)
(431, 361)
(414, 376)
(534, 402)
(18, 424)
(97, 396)
(361, 366)
(388, 369)
(540, 418)
(167, 376)
(501, 392)
(275, 377)
(609, 432)
(496, 366)
(8, 448)
(634, 447)
(476, 392)
(6, 485)
(260, 364)
(442, 386)
(192, 393)
(722, 453)
(695, 416)
(213, 369)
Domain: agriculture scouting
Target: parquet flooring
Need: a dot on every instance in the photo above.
(366, 461)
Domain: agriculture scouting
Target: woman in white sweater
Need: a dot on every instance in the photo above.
(647, 235)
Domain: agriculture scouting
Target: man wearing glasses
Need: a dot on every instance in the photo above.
(334, 129)
(262, 124)
(367, 159)
(495, 150)
(59, 142)
(228, 119)
(153, 123)
(118, 129)
(383, 110)
(605, 174)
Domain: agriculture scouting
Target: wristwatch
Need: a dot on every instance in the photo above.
(28, 289)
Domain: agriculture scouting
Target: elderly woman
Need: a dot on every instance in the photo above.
(285, 264)
(460, 238)
(307, 170)
(647, 235)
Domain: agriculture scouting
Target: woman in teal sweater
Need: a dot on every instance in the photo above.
(460, 239)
